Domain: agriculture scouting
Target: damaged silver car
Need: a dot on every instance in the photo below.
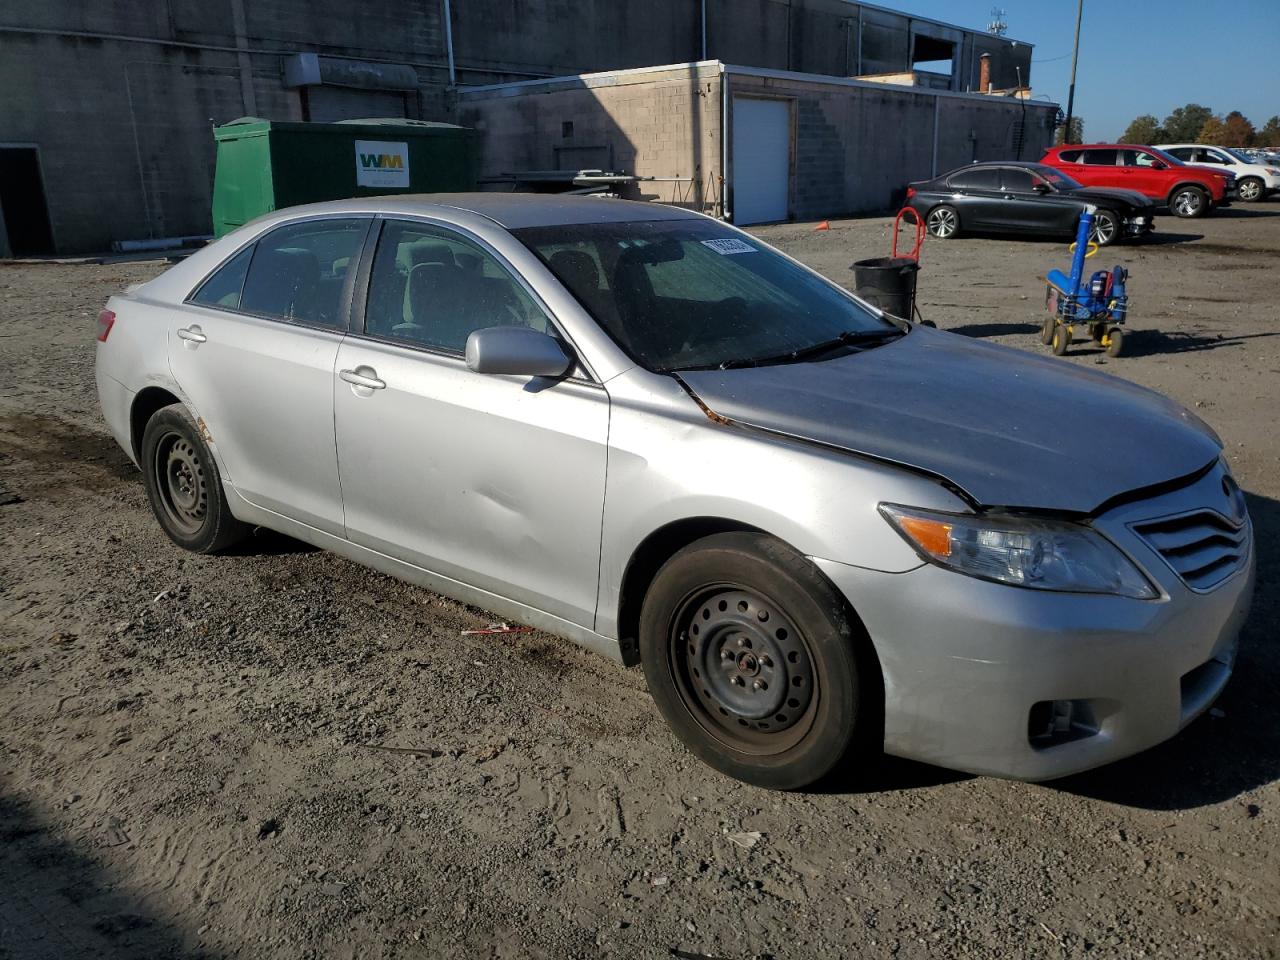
(824, 532)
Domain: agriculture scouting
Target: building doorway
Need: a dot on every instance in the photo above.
(761, 160)
(24, 215)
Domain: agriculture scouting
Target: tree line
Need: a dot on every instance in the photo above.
(1195, 123)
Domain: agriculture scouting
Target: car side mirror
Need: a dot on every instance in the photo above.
(519, 351)
(1040, 187)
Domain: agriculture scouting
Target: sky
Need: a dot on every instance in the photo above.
(1138, 56)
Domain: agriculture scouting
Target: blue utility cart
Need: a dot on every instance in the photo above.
(1099, 304)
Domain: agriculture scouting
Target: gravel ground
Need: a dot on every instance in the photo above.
(280, 754)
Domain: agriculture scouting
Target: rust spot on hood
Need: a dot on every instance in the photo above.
(711, 414)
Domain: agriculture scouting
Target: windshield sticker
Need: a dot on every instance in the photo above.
(729, 246)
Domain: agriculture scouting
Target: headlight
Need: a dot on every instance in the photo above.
(1041, 554)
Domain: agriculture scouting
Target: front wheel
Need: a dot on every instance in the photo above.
(1106, 228)
(1061, 339)
(183, 485)
(752, 658)
(1250, 190)
(943, 222)
(1189, 202)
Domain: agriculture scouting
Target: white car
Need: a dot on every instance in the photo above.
(1254, 180)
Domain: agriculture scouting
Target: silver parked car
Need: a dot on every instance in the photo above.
(823, 531)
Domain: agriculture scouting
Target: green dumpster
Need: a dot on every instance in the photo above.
(263, 165)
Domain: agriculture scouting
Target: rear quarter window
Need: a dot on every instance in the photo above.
(222, 287)
(1070, 156)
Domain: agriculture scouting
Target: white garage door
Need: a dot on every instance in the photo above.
(761, 159)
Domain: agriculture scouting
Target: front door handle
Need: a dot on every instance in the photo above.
(366, 377)
(192, 334)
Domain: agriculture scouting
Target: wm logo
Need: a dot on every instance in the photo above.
(381, 161)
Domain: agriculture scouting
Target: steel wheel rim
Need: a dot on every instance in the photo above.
(1187, 202)
(180, 483)
(743, 669)
(1104, 229)
(942, 223)
(1249, 190)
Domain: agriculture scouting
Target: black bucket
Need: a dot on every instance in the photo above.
(888, 283)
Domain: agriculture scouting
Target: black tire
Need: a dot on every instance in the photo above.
(1115, 342)
(943, 222)
(1189, 202)
(1061, 339)
(1108, 227)
(183, 485)
(1046, 330)
(1251, 189)
(756, 664)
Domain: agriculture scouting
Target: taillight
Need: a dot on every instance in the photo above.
(911, 192)
(106, 319)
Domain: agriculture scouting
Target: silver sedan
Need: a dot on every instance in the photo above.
(823, 532)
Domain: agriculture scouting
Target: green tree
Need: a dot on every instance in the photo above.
(1144, 129)
(1240, 132)
(1186, 122)
(1269, 135)
(1214, 131)
(1077, 132)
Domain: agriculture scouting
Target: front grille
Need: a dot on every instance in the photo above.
(1204, 547)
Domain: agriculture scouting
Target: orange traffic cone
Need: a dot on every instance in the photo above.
(824, 225)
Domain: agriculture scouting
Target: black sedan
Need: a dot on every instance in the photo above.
(1025, 198)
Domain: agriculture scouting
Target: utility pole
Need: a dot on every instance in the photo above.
(1075, 55)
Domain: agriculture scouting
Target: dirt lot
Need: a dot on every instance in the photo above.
(279, 754)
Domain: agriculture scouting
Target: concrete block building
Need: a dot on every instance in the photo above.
(750, 144)
(106, 109)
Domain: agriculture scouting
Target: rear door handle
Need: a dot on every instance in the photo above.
(192, 334)
(369, 379)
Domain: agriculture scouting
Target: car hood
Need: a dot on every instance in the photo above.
(1131, 197)
(1009, 428)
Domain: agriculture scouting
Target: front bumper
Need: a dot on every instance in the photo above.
(1139, 226)
(965, 662)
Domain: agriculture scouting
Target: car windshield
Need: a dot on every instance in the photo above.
(686, 294)
(1240, 155)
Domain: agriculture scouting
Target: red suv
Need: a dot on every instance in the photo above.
(1189, 191)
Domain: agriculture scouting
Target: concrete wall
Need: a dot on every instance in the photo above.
(119, 94)
(858, 145)
(663, 123)
(855, 145)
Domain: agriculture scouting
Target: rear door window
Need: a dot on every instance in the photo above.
(299, 272)
(1182, 153)
(983, 178)
(1100, 158)
(433, 287)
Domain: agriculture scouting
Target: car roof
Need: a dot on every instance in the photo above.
(510, 210)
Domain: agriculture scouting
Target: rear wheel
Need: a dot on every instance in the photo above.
(1115, 342)
(1189, 202)
(1250, 189)
(943, 222)
(1106, 228)
(183, 485)
(754, 662)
